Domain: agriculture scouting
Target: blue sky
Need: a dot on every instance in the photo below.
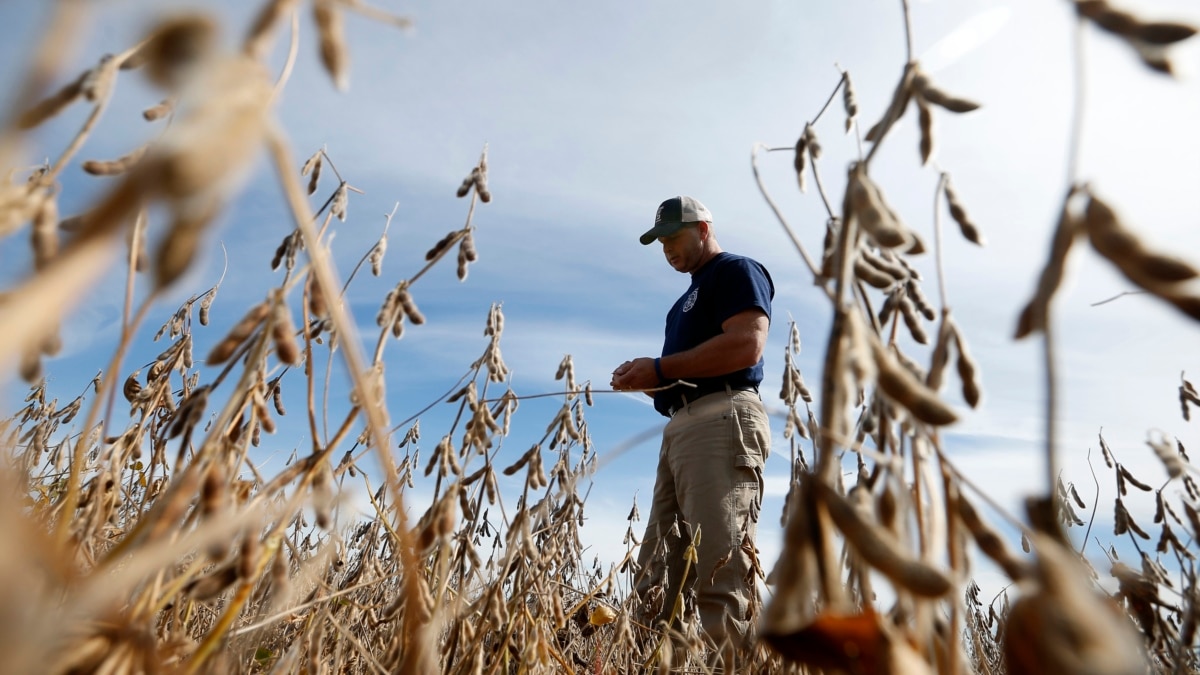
(594, 113)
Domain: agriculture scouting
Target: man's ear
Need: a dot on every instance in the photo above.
(704, 229)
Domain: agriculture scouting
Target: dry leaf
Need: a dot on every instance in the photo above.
(602, 615)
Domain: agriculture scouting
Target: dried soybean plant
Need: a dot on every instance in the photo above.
(145, 537)
(877, 402)
(907, 518)
(145, 534)
(1100, 644)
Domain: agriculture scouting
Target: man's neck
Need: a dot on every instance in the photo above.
(709, 254)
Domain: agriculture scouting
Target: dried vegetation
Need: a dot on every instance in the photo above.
(141, 536)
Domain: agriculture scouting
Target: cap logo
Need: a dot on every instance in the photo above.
(658, 215)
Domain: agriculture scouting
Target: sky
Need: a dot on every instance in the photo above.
(593, 113)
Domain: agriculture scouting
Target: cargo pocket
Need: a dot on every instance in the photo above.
(749, 471)
(751, 432)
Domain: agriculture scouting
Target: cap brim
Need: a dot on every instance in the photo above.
(664, 230)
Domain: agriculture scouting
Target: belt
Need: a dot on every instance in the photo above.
(689, 394)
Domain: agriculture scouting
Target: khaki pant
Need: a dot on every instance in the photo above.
(709, 475)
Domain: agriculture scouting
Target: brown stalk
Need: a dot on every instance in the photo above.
(879, 551)
(925, 123)
(968, 228)
(1034, 315)
(779, 214)
(52, 51)
(116, 166)
(327, 14)
(377, 14)
(989, 542)
(53, 104)
(1062, 626)
(259, 39)
(376, 418)
(904, 388)
(928, 93)
(900, 99)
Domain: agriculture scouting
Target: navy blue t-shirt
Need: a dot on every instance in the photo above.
(727, 285)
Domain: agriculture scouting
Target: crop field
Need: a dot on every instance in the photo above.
(142, 535)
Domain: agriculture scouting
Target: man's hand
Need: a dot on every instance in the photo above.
(636, 374)
(739, 345)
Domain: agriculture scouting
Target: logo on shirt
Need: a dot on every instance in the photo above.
(691, 300)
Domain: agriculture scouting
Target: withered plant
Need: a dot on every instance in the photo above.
(910, 516)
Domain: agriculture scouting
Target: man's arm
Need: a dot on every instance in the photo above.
(740, 345)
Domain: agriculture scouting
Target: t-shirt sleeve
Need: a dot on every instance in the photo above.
(744, 284)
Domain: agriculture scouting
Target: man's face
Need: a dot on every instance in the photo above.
(684, 249)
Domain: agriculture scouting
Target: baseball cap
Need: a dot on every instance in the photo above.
(673, 214)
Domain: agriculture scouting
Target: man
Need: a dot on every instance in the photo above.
(713, 449)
